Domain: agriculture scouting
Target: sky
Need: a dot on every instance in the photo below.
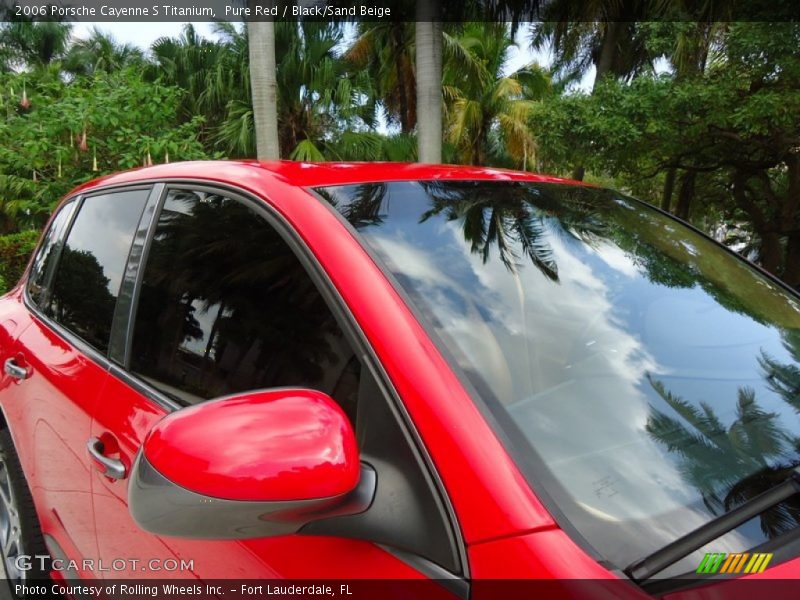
(140, 34)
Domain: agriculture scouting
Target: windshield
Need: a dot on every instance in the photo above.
(645, 379)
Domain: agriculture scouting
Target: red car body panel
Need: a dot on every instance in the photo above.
(50, 417)
(506, 529)
(299, 174)
(547, 554)
(257, 430)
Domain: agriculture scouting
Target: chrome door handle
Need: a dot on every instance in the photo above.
(112, 467)
(12, 369)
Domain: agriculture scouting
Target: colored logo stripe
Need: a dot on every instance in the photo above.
(721, 562)
(735, 563)
(711, 562)
(758, 563)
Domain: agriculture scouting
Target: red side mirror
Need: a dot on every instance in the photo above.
(230, 467)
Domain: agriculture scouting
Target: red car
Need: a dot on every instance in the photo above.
(312, 371)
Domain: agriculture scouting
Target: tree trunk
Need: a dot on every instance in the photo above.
(264, 86)
(429, 82)
(770, 252)
(404, 86)
(608, 53)
(405, 109)
(669, 185)
(791, 266)
(685, 195)
(792, 201)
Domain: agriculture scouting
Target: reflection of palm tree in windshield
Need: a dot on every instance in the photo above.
(784, 379)
(733, 464)
(516, 215)
(364, 206)
(505, 215)
(365, 209)
(515, 219)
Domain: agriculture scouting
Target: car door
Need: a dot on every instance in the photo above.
(15, 317)
(221, 304)
(60, 357)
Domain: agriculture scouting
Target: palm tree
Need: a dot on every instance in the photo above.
(487, 110)
(784, 378)
(429, 81)
(603, 34)
(216, 78)
(517, 224)
(689, 54)
(325, 109)
(386, 51)
(33, 44)
(264, 88)
(199, 67)
(100, 52)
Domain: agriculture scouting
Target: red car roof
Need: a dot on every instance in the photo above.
(303, 174)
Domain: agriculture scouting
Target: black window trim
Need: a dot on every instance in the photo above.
(333, 299)
(121, 338)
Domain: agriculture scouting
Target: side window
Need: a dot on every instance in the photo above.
(47, 256)
(89, 271)
(225, 306)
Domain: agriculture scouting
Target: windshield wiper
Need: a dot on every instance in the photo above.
(673, 552)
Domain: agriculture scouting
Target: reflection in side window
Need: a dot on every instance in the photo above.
(87, 280)
(48, 251)
(226, 307)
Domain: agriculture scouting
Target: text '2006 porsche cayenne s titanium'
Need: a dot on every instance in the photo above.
(315, 371)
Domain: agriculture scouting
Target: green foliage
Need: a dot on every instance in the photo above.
(487, 110)
(215, 79)
(614, 130)
(325, 108)
(77, 130)
(385, 51)
(26, 43)
(15, 250)
(729, 136)
(727, 464)
(99, 52)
